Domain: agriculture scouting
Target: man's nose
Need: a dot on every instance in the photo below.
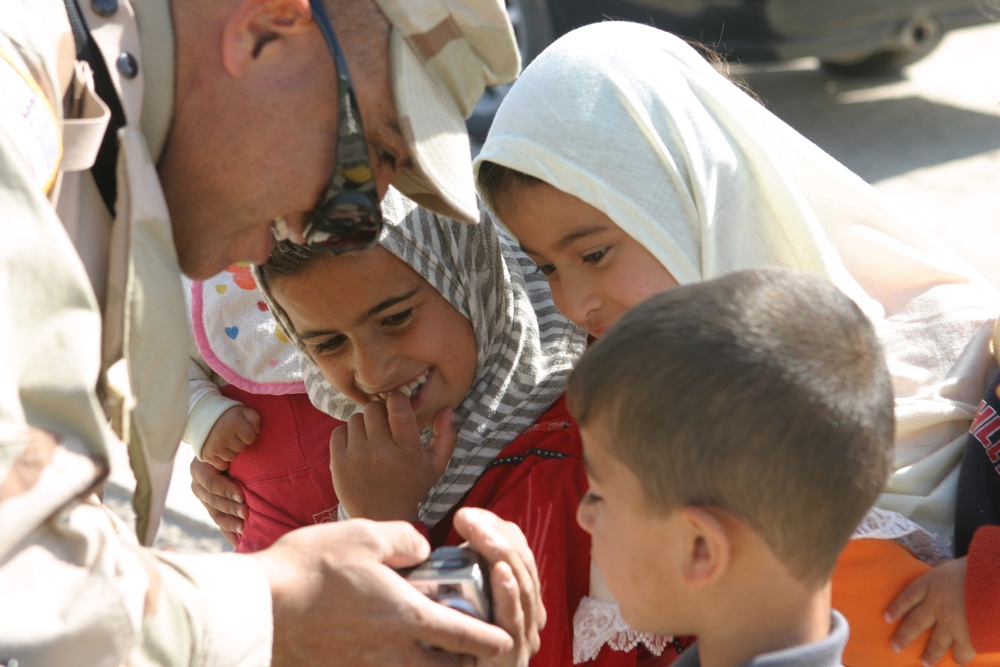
(384, 173)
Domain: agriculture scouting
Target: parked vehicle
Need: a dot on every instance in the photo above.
(859, 37)
(883, 34)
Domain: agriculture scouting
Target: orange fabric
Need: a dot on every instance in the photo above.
(870, 574)
(868, 577)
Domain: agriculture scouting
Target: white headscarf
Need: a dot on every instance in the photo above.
(639, 125)
(525, 348)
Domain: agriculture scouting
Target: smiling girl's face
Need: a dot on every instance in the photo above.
(596, 271)
(374, 326)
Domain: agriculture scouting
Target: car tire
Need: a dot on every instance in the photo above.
(915, 40)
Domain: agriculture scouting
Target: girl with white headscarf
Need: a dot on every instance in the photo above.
(517, 453)
(633, 126)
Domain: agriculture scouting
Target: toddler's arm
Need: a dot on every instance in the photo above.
(207, 403)
(233, 431)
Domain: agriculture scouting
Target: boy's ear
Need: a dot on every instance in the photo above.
(708, 546)
(254, 24)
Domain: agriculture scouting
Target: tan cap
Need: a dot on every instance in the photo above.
(444, 54)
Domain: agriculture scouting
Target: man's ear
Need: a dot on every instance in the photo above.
(708, 546)
(254, 24)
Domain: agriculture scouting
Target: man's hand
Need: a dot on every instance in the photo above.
(517, 591)
(337, 601)
(222, 497)
(935, 600)
(379, 465)
(233, 431)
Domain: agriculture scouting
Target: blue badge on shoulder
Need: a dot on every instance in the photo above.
(28, 118)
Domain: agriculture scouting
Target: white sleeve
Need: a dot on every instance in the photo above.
(207, 403)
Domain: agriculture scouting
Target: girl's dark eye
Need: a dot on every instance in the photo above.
(595, 257)
(399, 318)
(330, 344)
(547, 269)
(589, 498)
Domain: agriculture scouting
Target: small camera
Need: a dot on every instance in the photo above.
(456, 577)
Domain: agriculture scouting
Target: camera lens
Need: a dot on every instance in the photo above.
(460, 604)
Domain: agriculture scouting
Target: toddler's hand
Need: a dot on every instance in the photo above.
(935, 600)
(233, 431)
(380, 468)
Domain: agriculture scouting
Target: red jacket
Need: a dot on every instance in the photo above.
(285, 474)
(535, 482)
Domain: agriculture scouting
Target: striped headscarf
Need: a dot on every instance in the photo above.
(525, 347)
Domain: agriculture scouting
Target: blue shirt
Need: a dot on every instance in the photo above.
(824, 653)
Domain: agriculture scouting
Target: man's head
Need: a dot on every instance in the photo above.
(764, 394)
(255, 122)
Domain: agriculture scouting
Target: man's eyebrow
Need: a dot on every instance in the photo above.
(568, 240)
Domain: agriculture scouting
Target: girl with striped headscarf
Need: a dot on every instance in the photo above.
(443, 354)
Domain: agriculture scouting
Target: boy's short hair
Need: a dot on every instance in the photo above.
(764, 393)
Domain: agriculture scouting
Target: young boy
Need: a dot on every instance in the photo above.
(735, 432)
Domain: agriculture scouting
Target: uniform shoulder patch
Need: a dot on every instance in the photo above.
(28, 118)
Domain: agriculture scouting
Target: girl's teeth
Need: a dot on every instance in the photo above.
(408, 389)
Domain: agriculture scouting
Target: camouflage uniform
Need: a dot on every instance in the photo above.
(85, 299)
(93, 349)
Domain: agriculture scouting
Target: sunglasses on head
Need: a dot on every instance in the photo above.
(348, 217)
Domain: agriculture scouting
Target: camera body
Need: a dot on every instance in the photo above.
(456, 577)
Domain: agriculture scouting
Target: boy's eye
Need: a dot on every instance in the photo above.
(330, 344)
(589, 498)
(399, 318)
(595, 257)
